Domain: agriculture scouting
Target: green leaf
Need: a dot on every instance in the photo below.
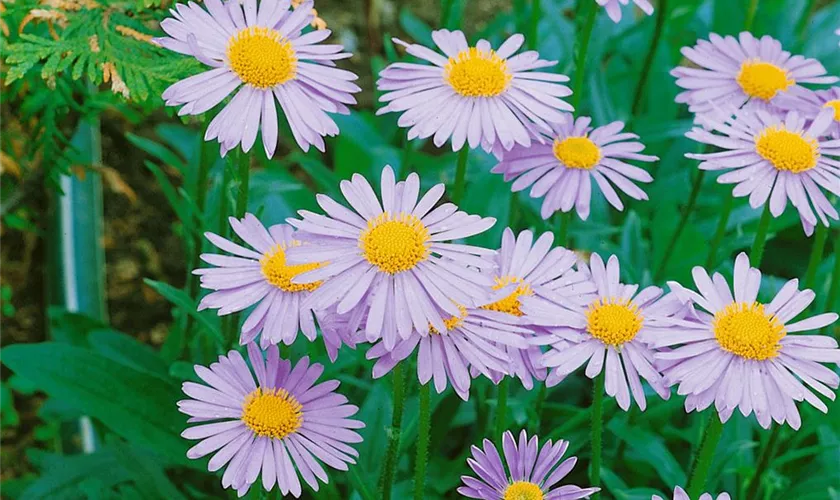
(61, 476)
(186, 303)
(650, 448)
(126, 350)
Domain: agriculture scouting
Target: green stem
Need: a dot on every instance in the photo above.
(224, 189)
(834, 289)
(751, 10)
(423, 431)
(533, 27)
(703, 460)
(597, 413)
(816, 255)
(244, 181)
(538, 407)
(661, 15)
(391, 456)
(692, 201)
(564, 220)
(720, 232)
(445, 7)
(757, 250)
(460, 175)
(580, 64)
(763, 462)
(501, 408)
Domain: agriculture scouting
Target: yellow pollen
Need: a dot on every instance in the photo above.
(452, 322)
(835, 105)
(477, 73)
(523, 490)
(762, 80)
(577, 152)
(272, 413)
(787, 150)
(395, 243)
(747, 331)
(280, 274)
(512, 303)
(613, 321)
(261, 57)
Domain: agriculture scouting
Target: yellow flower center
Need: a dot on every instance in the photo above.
(273, 413)
(280, 274)
(523, 490)
(613, 321)
(787, 150)
(512, 303)
(746, 330)
(476, 73)
(762, 79)
(835, 105)
(261, 57)
(395, 243)
(451, 322)
(577, 152)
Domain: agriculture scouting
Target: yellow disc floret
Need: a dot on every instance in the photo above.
(280, 274)
(272, 413)
(523, 490)
(577, 152)
(262, 57)
(395, 243)
(786, 150)
(835, 105)
(762, 80)
(747, 331)
(613, 321)
(452, 322)
(512, 303)
(477, 73)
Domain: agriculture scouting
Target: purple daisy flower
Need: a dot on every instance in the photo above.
(528, 268)
(263, 277)
(775, 157)
(613, 7)
(738, 353)
(610, 333)
(264, 51)
(473, 95)
(531, 473)
(281, 423)
(743, 71)
(811, 103)
(680, 494)
(562, 172)
(477, 339)
(390, 261)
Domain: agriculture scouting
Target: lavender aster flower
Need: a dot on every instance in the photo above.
(263, 277)
(530, 474)
(776, 158)
(390, 260)
(613, 7)
(610, 333)
(280, 423)
(743, 71)
(740, 354)
(680, 494)
(562, 172)
(811, 103)
(262, 51)
(473, 94)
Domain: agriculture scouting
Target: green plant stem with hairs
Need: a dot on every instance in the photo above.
(580, 61)
(820, 237)
(661, 15)
(757, 250)
(703, 459)
(597, 414)
(460, 176)
(243, 178)
(720, 232)
(533, 26)
(501, 408)
(391, 455)
(423, 436)
(763, 462)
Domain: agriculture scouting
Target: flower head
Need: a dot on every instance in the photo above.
(743, 71)
(739, 353)
(775, 158)
(473, 94)
(613, 7)
(275, 425)
(680, 494)
(612, 333)
(263, 277)
(531, 473)
(810, 103)
(262, 52)
(562, 171)
(388, 258)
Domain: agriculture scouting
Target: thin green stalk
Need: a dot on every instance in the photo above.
(538, 407)
(703, 459)
(751, 10)
(391, 456)
(501, 408)
(597, 414)
(580, 64)
(816, 255)
(720, 232)
(763, 462)
(460, 175)
(834, 289)
(757, 250)
(244, 178)
(445, 7)
(661, 15)
(533, 26)
(564, 220)
(423, 435)
(692, 201)
(223, 199)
